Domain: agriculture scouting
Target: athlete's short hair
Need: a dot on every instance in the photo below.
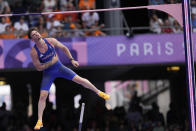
(31, 29)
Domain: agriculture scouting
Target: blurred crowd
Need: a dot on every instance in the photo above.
(161, 22)
(164, 23)
(75, 24)
(99, 118)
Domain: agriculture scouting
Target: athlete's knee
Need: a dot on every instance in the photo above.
(84, 80)
(43, 96)
(80, 80)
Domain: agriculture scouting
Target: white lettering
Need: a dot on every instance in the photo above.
(169, 49)
(120, 48)
(148, 49)
(134, 49)
(159, 48)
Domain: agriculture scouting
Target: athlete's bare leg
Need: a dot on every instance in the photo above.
(86, 83)
(41, 107)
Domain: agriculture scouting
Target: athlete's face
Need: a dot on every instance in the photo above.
(35, 36)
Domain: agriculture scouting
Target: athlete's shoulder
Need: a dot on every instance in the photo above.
(50, 39)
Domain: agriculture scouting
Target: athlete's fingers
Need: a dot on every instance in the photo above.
(76, 63)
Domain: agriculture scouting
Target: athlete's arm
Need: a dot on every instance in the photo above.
(58, 44)
(39, 66)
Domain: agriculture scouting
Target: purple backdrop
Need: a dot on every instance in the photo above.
(110, 50)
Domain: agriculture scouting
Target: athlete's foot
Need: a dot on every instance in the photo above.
(38, 125)
(104, 95)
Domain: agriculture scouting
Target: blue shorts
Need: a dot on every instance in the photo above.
(54, 71)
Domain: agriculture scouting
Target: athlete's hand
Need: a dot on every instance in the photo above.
(75, 63)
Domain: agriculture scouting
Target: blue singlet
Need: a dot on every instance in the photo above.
(48, 55)
(54, 71)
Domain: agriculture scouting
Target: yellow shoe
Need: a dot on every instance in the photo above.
(104, 95)
(38, 125)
